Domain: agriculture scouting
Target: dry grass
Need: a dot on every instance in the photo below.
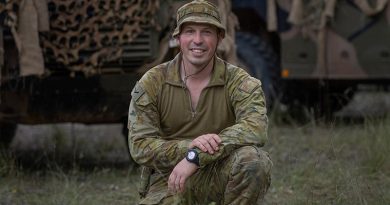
(331, 164)
(100, 186)
(313, 164)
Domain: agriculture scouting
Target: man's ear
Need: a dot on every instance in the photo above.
(177, 39)
(220, 37)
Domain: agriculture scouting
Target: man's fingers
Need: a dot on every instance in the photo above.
(217, 139)
(213, 143)
(171, 182)
(182, 184)
(177, 184)
(182, 171)
(199, 144)
(207, 143)
(207, 146)
(212, 137)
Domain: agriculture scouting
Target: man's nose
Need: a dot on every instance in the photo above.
(198, 38)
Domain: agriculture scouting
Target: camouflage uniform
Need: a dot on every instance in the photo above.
(162, 124)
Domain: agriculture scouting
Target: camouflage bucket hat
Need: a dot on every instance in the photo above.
(198, 11)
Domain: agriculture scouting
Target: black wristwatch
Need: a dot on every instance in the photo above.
(193, 156)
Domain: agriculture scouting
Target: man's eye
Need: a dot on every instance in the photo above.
(207, 32)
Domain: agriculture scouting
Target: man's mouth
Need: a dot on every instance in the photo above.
(197, 50)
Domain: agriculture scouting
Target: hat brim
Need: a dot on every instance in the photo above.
(199, 19)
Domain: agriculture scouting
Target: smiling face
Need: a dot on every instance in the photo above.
(198, 43)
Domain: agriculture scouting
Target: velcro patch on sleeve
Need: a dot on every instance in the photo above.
(249, 85)
(137, 92)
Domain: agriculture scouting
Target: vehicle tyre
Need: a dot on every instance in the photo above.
(261, 61)
(315, 100)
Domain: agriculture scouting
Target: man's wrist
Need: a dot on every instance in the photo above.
(193, 156)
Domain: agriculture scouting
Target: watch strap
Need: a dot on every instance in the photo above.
(195, 160)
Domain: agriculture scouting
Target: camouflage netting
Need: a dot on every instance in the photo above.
(76, 27)
(312, 16)
(22, 17)
(83, 34)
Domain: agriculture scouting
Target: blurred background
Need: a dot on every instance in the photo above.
(68, 67)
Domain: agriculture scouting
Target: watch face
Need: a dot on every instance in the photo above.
(191, 155)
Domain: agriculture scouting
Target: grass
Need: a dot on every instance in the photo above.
(101, 186)
(331, 164)
(313, 164)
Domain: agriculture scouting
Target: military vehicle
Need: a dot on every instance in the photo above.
(77, 60)
(325, 50)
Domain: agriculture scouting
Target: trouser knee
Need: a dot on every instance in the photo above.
(251, 167)
(248, 155)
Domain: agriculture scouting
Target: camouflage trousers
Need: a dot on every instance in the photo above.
(241, 178)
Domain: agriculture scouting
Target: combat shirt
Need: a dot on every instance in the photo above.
(162, 123)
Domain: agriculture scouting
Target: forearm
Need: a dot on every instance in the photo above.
(251, 119)
(241, 134)
(156, 153)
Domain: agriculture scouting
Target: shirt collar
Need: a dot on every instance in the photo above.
(217, 76)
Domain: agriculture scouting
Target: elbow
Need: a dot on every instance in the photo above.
(135, 150)
(260, 133)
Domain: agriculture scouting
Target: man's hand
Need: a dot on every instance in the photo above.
(207, 143)
(180, 174)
